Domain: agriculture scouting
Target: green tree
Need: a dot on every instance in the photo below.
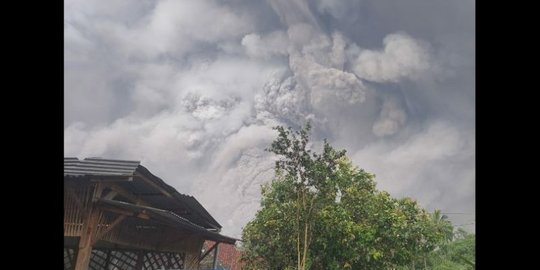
(321, 212)
(461, 250)
(458, 254)
(443, 225)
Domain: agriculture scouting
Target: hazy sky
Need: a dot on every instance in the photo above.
(192, 88)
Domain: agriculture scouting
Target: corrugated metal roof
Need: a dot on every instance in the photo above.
(170, 218)
(73, 167)
(194, 204)
(187, 200)
(99, 166)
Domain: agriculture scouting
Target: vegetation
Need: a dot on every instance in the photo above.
(321, 212)
(458, 254)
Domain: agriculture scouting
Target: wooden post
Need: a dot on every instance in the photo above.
(216, 250)
(169, 261)
(88, 232)
(85, 242)
(207, 252)
(108, 260)
(140, 260)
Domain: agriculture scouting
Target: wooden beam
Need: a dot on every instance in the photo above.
(98, 190)
(208, 251)
(142, 214)
(127, 194)
(123, 192)
(110, 195)
(106, 230)
(154, 185)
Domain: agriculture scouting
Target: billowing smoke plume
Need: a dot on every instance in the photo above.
(193, 88)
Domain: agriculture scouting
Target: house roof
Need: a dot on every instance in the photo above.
(142, 183)
(99, 166)
(168, 217)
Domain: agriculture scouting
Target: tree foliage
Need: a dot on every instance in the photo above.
(321, 212)
(458, 254)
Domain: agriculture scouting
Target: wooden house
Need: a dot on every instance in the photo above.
(118, 215)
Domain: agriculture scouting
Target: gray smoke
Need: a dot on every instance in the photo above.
(192, 88)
